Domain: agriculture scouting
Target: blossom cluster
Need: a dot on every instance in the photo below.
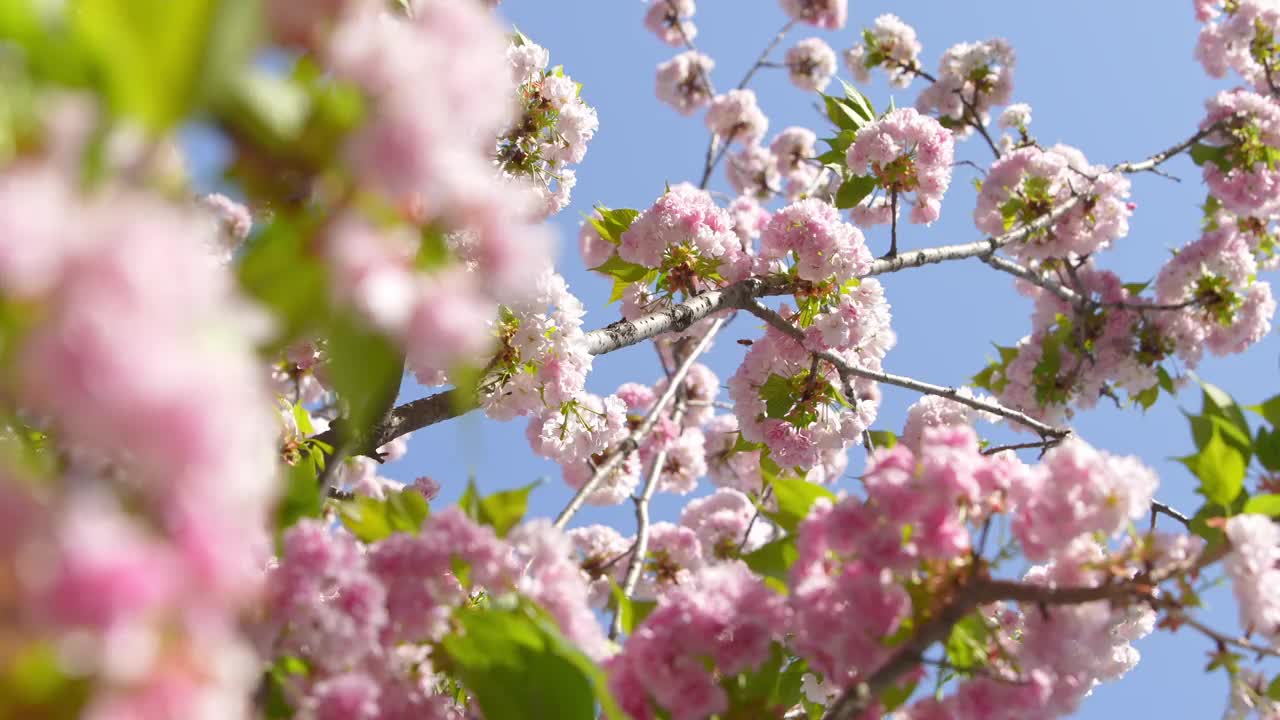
(724, 614)
(889, 43)
(683, 82)
(811, 64)
(1254, 567)
(688, 237)
(1244, 176)
(671, 21)
(1030, 183)
(907, 152)
(827, 14)
(552, 130)
(1240, 35)
(429, 151)
(972, 78)
(363, 618)
(146, 505)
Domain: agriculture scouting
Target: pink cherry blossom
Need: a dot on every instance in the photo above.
(907, 152)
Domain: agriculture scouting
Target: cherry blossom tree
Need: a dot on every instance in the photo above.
(198, 390)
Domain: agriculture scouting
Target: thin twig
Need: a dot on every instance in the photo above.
(893, 225)
(764, 55)
(713, 156)
(855, 701)
(1037, 445)
(1163, 509)
(632, 441)
(845, 369)
(764, 498)
(1177, 617)
(635, 565)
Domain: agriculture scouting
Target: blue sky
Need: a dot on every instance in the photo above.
(1116, 79)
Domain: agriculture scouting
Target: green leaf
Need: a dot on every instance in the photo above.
(1218, 156)
(1273, 690)
(967, 643)
(366, 518)
(621, 269)
(371, 520)
(774, 559)
(302, 419)
(34, 683)
(841, 142)
(633, 611)
(1203, 426)
(280, 273)
(776, 393)
(1267, 447)
(277, 681)
(501, 510)
(1218, 403)
(883, 439)
(433, 249)
(854, 190)
(613, 223)
(303, 495)
(273, 103)
(841, 113)
(518, 666)
(858, 102)
(895, 696)
(795, 496)
(1269, 409)
(366, 368)
(1220, 468)
(1263, 505)
(159, 59)
(1136, 288)
(407, 509)
(619, 289)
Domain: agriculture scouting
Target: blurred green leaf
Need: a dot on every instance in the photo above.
(633, 611)
(1267, 447)
(518, 667)
(303, 495)
(280, 273)
(162, 59)
(773, 560)
(1263, 505)
(1269, 409)
(883, 439)
(366, 368)
(501, 510)
(1220, 468)
(967, 644)
(794, 496)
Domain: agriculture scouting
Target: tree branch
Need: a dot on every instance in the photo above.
(641, 548)
(855, 700)
(445, 405)
(845, 369)
(630, 443)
